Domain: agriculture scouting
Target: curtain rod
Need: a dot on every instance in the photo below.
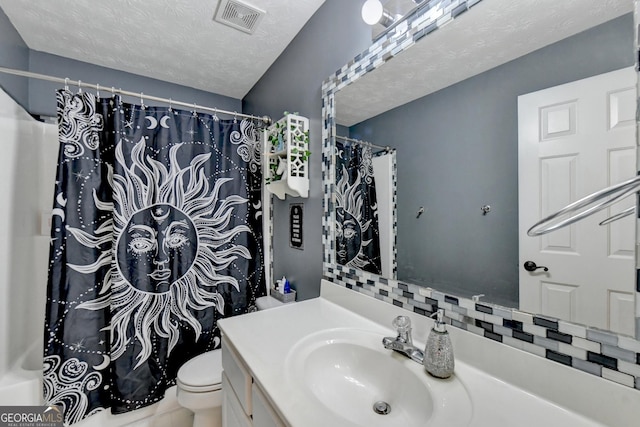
(97, 87)
(359, 141)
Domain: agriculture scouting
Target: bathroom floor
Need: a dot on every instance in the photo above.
(178, 418)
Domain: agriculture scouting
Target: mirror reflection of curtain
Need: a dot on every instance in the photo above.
(156, 234)
(357, 232)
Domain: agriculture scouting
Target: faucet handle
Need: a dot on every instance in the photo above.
(402, 324)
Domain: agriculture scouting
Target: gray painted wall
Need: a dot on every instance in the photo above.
(331, 38)
(14, 53)
(458, 150)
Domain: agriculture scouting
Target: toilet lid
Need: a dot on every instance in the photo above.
(203, 371)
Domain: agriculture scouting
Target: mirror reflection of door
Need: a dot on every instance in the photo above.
(575, 139)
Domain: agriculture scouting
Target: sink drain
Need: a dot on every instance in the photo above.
(381, 408)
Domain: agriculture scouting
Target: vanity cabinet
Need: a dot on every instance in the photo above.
(244, 402)
(263, 413)
(233, 414)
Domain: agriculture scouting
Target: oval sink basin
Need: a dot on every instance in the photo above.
(357, 380)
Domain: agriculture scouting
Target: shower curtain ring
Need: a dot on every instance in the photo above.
(79, 87)
(215, 114)
(170, 101)
(142, 101)
(98, 91)
(66, 83)
(235, 117)
(195, 114)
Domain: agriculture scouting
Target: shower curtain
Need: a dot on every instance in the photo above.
(357, 232)
(156, 234)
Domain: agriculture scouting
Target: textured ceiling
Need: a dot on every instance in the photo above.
(491, 33)
(171, 40)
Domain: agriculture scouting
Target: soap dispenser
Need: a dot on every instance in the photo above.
(438, 354)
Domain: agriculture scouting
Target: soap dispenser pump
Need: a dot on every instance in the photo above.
(438, 354)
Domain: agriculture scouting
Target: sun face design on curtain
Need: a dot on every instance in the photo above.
(357, 235)
(156, 234)
(172, 243)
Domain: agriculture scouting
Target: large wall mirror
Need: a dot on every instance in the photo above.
(503, 115)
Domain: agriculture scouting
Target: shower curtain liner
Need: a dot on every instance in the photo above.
(357, 232)
(156, 234)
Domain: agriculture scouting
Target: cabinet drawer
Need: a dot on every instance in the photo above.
(238, 376)
(232, 412)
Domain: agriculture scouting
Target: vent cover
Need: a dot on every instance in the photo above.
(239, 15)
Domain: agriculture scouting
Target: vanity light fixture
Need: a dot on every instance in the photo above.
(373, 13)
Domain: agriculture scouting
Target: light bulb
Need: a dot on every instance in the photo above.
(372, 12)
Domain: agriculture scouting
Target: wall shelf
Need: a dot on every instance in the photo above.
(287, 152)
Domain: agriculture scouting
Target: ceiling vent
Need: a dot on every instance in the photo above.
(239, 15)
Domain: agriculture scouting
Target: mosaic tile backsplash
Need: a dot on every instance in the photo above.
(601, 353)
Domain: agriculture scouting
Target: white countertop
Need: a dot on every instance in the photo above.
(264, 339)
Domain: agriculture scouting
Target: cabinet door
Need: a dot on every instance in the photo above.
(232, 413)
(238, 375)
(263, 414)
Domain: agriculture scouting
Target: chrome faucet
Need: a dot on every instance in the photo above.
(403, 343)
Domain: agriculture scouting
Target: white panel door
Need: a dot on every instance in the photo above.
(575, 139)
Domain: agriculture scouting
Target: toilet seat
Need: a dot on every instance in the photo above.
(199, 389)
(202, 374)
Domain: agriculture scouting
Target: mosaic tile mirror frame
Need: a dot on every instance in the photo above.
(598, 352)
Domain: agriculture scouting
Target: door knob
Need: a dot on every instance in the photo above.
(531, 266)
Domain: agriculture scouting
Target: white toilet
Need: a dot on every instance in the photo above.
(200, 388)
(200, 381)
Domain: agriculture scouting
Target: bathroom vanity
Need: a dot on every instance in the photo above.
(321, 362)
(244, 401)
